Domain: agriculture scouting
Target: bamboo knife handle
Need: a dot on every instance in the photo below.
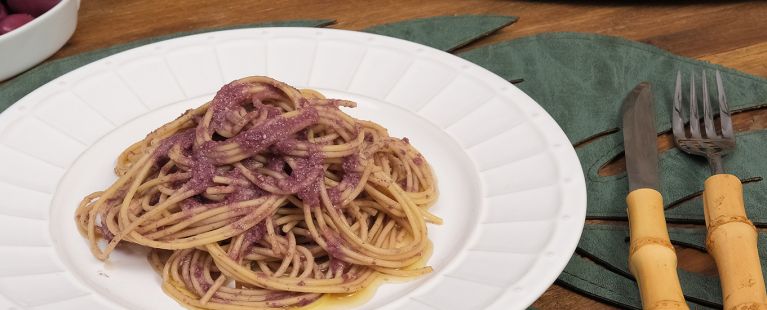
(731, 240)
(652, 259)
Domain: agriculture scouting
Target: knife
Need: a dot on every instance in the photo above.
(652, 259)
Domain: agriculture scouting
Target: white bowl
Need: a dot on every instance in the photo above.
(32, 43)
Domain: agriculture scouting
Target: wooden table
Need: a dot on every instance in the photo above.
(731, 34)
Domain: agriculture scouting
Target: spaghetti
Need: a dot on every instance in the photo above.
(267, 197)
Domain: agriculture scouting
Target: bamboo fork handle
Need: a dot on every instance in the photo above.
(731, 240)
(652, 259)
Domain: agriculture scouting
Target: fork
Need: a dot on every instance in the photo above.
(731, 238)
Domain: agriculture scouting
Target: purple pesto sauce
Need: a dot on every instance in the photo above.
(287, 145)
(227, 101)
(304, 178)
(305, 301)
(340, 124)
(257, 139)
(204, 286)
(188, 205)
(196, 202)
(276, 164)
(331, 102)
(335, 195)
(402, 183)
(252, 236)
(234, 96)
(250, 163)
(310, 195)
(270, 92)
(242, 192)
(277, 135)
(263, 180)
(255, 233)
(271, 111)
(185, 138)
(352, 167)
(418, 160)
(118, 197)
(105, 233)
(277, 295)
(197, 274)
(337, 266)
(334, 242)
(347, 277)
(302, 103)
(203, 171)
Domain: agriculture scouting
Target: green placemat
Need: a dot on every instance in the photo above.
(432, 31)
(580, 79)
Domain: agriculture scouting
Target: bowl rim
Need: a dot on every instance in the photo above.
(25, 28)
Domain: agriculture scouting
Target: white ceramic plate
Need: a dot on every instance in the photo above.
(512, 192)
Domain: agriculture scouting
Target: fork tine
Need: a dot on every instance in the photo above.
(724, 110)
(676, 120)
(714, 146)
(694, 117)
(708, 118)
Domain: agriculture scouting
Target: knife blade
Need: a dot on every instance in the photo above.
(652, 259)
(639, 138)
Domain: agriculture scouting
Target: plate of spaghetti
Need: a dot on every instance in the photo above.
(283, 168)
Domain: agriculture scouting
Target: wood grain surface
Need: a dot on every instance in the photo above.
(730, 33)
